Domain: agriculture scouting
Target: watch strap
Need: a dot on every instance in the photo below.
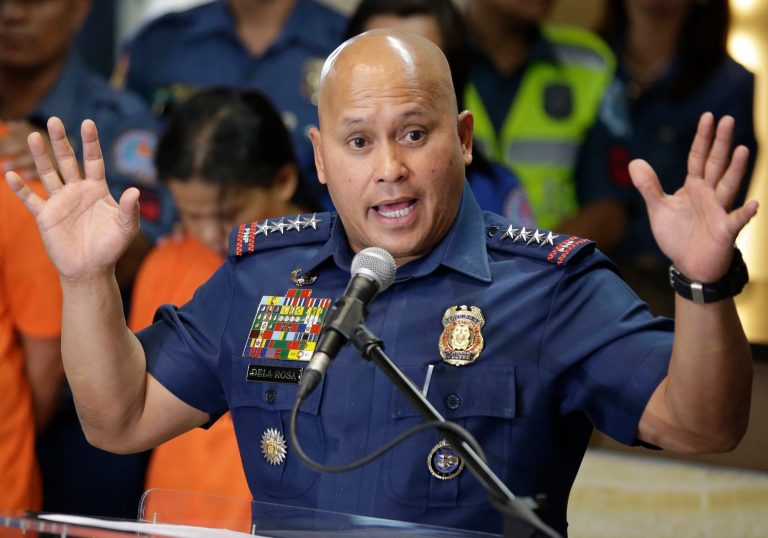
(731, 284)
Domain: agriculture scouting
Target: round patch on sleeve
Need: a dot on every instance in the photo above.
(134, 153)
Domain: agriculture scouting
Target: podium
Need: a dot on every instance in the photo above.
(168, 513)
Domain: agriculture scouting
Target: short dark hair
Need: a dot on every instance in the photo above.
(450, 22)
(227, 137)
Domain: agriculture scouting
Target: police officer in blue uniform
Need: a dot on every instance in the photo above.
(224, 43)
(525, 337)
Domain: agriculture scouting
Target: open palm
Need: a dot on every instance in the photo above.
(84, 229)
(696, 226)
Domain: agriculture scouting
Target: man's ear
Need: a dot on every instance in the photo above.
(466, 123)
(314, 136)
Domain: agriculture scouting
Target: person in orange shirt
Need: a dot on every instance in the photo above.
(31, 373)
(227, 158)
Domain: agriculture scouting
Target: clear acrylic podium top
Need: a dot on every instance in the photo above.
(177, 514)
(275, 520)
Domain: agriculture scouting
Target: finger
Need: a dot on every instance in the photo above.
(700, 146)
(62, 150)
(738, 218)
(647, 182)
(128, 211)
(719, 153)
(30, 199)
(93, 159)
(728, 187)
(45, 169)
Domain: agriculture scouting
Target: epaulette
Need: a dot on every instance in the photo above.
(556, 248)
(279, 232)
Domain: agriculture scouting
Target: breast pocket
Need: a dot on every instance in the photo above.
(482, 400)
(261, 411)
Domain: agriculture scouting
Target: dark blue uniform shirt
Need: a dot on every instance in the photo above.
(567, 345)
(127, 133)
(199, 47)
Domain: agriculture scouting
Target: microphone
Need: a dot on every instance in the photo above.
(373, 271)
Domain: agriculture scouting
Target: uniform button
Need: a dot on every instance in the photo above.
(270, 396)
(452, 401)
(492, 231)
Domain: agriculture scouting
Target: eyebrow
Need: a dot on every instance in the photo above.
(352, 121)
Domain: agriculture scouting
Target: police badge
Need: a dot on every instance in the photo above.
(461, 341)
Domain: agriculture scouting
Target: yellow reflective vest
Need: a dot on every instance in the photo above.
(539, 143)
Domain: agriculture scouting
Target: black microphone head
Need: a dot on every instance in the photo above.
(377, 264)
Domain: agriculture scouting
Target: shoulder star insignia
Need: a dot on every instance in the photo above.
(294, 224)
(511, 231)
(523, 235)
(537, 236)
(311, 222)
(550, 239)
(263, 228)
(280, 225)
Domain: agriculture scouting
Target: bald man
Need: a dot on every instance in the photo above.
(558, 344)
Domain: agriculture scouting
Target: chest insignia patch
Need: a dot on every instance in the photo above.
(286, 327)
(444, 462)
(273, 446)
(461, 341)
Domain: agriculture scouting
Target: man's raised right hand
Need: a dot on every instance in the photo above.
(84, 229)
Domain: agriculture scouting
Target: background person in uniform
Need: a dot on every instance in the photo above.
(276, 47)
(495, 186)
(227, 158)
(566, 344)
(675, 66)
(41, 76)
(547, 105)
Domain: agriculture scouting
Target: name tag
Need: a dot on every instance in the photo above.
(274, 374)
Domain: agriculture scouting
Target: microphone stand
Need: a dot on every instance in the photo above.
(519, 519)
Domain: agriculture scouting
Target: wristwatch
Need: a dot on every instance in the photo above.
(729, 285)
